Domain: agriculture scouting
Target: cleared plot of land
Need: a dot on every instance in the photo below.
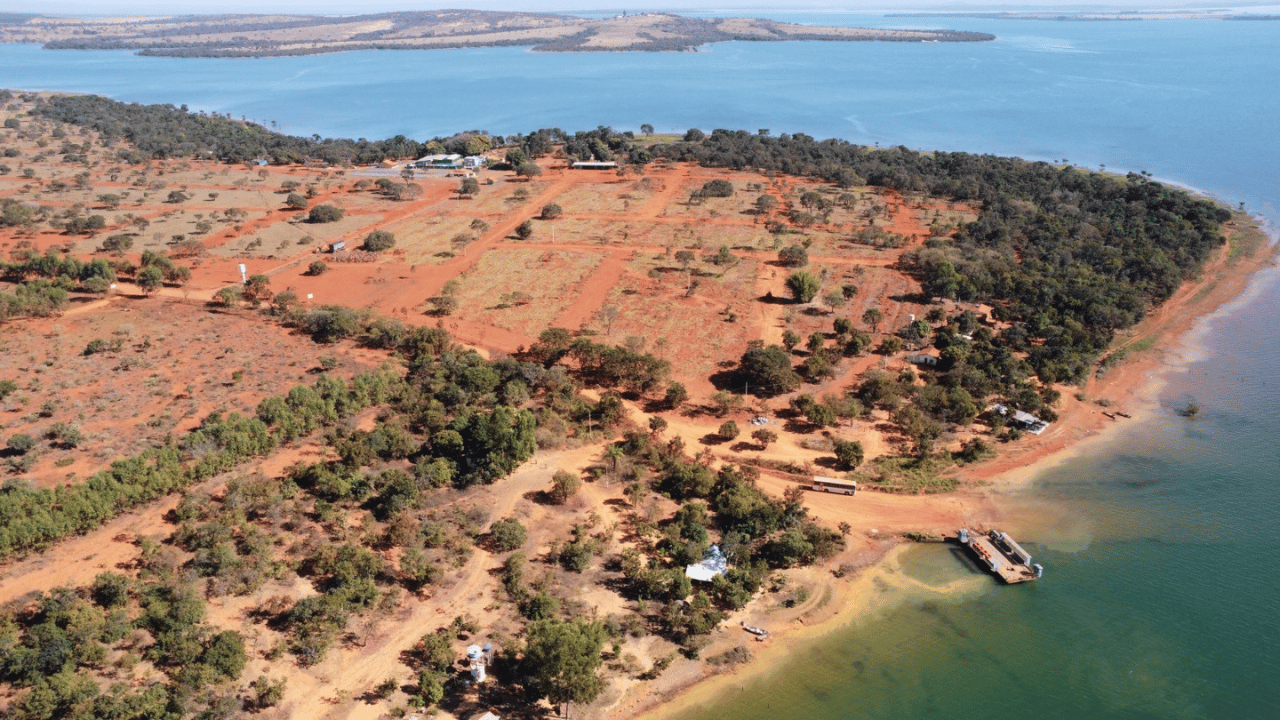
(549, 280)
(162, 368)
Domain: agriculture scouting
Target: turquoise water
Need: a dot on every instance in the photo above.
(1160, 599)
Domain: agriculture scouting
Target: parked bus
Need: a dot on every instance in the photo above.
(832, 485)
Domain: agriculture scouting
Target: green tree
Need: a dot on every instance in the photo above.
(117, 244)
(790, 339)
(550, 211)
(469, 186)
(324, 214)
(816, 342)
(873, 317)
(676, 395)
(317, 267)
(564, 485)
(768, 370)
(379, 240)
(728, 430)
(296, 202)
(803, 285)
(849, 453)
(524, 230)
(150, 279)
(528, 170)
(793, 255)
(765, 437)
(267, 693)
(563, 658)
(226, 654)
(646, 128)
(507, 534)
(834, 299)
(257, 289)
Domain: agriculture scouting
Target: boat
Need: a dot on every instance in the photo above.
(1002, 556)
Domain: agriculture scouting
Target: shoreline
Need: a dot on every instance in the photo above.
(1178, 328)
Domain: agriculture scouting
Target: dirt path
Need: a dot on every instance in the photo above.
(324, 691)
(595, 291)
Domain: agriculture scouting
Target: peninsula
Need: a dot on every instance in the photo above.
(290, 425)
(284, 35)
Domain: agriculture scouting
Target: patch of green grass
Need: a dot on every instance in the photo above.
(1141, 345)
(1245, 242)
(909, 475)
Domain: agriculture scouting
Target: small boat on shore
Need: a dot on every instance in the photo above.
(760, 633)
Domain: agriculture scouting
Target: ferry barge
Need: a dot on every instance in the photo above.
(1002, 556)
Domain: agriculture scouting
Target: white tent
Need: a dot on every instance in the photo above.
(713, 563)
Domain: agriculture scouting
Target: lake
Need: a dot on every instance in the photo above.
(1160, 598)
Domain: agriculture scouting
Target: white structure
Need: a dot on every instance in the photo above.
(832, 485)
(1024, 420)
(479, 657)
(922, 359)
(713, 563)
(453, 160)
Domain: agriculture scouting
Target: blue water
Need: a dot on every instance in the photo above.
(1161, 595)
(1193, 101)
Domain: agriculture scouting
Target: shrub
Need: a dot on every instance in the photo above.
(803, 285)
(379, 240)
(550, 211)
(508, 534)
(317, 267)
(849, 453)
(21, 443)
(716, 188)
(324, 214)
(564, 485)
(728, 431)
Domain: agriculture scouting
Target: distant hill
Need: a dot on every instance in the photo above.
(283, 35)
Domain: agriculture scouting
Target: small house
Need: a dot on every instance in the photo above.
(595, 165)
(923, 360)
(713, 563)
(339, 246)
(474, 162)
(1021, 420)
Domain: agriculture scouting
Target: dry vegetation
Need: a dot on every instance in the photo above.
(634, 259)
